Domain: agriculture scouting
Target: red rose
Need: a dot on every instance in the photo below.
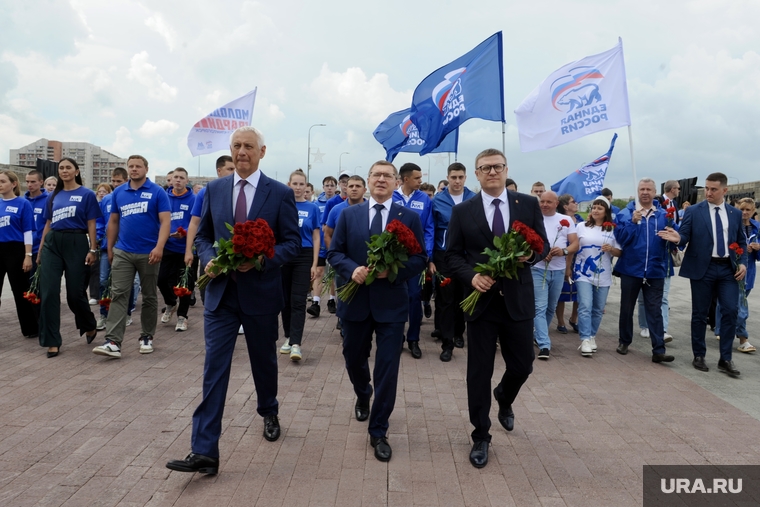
(564, 223)
(238, 229)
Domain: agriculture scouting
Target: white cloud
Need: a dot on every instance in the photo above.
(122, 144)
(160, 128)
(147, 75)
(157, 24)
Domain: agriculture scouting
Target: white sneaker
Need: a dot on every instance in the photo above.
(644, 333)
(295, 353)
(592, 340)
(146, 344)
(167, 316)
(129, 320)
(181, 324)
(285, 347)
(109, 349)
(585, 348)
(93, 302)
(241, 331)
(101, 324)
(667, 338)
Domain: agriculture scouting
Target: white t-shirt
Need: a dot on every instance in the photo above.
(557, 236)
(587, 262)
(457, 198)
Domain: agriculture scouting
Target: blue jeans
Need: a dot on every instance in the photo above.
(741, 317)
(591, 302)
(665, 307)
(547, 294)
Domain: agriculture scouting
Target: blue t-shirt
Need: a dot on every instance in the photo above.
(16, 218)
(182, 206)
(38, 207)
(198, 205)
(105, 207)
(334, 201)
(138, 216)
(308, 220)
(72, 209)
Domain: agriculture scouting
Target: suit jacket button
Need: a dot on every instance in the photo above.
(501, 294)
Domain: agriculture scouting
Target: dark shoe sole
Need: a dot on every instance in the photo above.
(203, 470)
(700, 368)
(723, 370)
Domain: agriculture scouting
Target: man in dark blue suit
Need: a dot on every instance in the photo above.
(708, 228)
(381, 307)
(246, 297)
(506, 307)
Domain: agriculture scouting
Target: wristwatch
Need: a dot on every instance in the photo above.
(93, 251)
(29, 254)
(564, 252)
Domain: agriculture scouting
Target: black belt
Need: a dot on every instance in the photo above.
(720, 260)
(71, 231)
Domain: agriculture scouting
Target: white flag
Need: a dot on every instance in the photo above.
(212, 133)
(578, 99)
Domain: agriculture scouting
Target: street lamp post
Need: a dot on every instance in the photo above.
(339, 161)
(308, 149)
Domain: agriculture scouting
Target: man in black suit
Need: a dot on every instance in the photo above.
(381, 308)
(506, 309)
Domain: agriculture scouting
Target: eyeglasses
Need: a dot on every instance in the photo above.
(486, 169)
(387, 176)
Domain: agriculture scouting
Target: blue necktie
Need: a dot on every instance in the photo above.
(376, 227)
(719, 241)
(498, 219)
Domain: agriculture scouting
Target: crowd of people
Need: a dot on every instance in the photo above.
(137, 237)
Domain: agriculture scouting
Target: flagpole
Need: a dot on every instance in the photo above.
(503, 137)
(633, 165)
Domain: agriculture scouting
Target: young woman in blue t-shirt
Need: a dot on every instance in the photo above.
(16, 225)
(69, 245)
(298, 274)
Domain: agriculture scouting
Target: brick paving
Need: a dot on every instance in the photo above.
(80, 429)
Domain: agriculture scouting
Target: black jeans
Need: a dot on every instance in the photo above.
(630, 287)
(296, 278)
(172, 265)
(11, 260)
(450, 315)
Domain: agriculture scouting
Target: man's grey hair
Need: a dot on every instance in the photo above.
(248, 128)
(670, 184)
(648, 180)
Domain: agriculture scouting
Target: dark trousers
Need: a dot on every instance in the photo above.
(719, 279)
(220, 330)
(357, 343)
(63, 253)
(516, 344)
(630, 287)
(296, 278)
(11, 261)
(93, 280)
(194, 267)
(172, 266)
(450, 317)
(415, 309)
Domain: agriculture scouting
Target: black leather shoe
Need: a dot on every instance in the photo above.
(313, 310)
(479, 454)
(436, 333)
(699, 363)
(91, 337)
(195, 463)
(271, 427)
(415, 348)
(428, 311)
(361, 410)
(459, 342)
(662, 358)
(506, 415)
(446, 356)
(331, 306)
(382, 448)
(728, 368)
(622, 348)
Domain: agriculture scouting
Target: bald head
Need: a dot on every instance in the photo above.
(548, 203)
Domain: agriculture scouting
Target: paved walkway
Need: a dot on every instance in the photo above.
(84, 430)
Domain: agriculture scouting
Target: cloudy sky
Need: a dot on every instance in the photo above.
(133, 77)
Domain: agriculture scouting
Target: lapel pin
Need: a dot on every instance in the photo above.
(517, 202)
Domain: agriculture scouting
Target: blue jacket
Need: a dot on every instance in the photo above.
(749, 280)
(645, 255)
(421, 203)
(442, 205)
(38, 205)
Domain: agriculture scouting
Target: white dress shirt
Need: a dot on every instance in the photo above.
(250, 189)
(384, 212)
(489, 208)
(724, 220)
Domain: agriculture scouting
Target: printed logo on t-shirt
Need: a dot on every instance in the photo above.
(304, 214)
(75, 198)
(178, 215)
(417, 205)
(37, 211)
(146, 195)
(134, 208)
(60, 214)
(300, 223)
(108, 208)
(5, 221)
(184, 207)
(11, 209)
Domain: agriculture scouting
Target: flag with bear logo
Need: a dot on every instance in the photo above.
(397, 133)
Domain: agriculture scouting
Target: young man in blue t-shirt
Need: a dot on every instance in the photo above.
(137, 233)
(329, 185)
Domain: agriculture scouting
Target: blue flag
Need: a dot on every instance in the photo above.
(472, 86)
(586, 183)
(397, 133)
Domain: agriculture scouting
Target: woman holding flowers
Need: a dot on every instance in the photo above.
(298, 274)
(593, 270)
(16, 226)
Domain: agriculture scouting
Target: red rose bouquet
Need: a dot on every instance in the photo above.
(426, 277)
(181, 231)
(503, 261)
(739, 251)
(105, 299)
(182, 289)
(249, 242)
(387, 251)
(33, 294)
